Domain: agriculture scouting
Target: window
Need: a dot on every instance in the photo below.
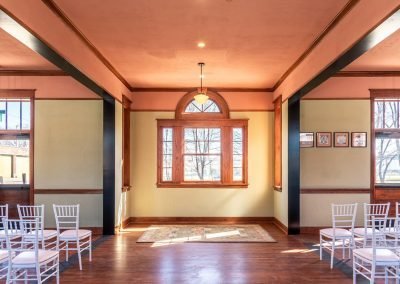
(386, 137)
(202, 147)
(15, 132)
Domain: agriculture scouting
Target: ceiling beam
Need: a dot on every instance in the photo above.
(367, 74)
(17, 72)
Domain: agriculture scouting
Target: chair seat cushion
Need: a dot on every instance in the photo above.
(28, 257)
(3, 255)
(17, 233)
(338, 232)
(73, 234)
(361, 231)
(382, 254)
(47, 234)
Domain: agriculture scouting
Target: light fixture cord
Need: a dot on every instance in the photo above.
(201, 78)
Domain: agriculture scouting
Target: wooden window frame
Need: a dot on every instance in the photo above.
(126, 124)
(278, 144)
(23, 94)
(202, 120)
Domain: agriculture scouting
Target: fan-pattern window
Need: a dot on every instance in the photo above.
(202, 148)
(208, 106)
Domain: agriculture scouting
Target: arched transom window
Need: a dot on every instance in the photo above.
(202, 146)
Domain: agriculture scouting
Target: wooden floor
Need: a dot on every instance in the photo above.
(119, 259)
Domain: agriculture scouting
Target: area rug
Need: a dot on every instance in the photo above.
(205, 233)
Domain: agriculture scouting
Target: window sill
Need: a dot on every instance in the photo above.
(202, 185)
(14, 186)
(387, 186)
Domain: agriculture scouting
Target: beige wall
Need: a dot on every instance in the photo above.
(333, 167)
(281, 198)
(68, 155)
(146, 200)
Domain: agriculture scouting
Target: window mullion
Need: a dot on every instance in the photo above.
(177, 166)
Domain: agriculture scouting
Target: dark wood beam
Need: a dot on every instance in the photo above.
(382, 30)
(367, 74)
(16, 28)
(32, 73)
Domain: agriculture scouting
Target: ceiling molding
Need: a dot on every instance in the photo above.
(32, 73)
(193, 89)
(367, 74)
(346, 9)
(58, 12)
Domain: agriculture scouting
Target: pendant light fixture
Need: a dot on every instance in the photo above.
(201, 96)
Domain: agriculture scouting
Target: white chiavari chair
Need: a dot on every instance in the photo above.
(340, 235)
(363, 235)
(26, 261)
(3, 214)
(376, 260)
(393, 230)
(70, 237)
(47, 238)
(3, 263)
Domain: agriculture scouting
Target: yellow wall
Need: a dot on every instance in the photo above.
(333, 167)
(146, 200)
(68, 155)
(281, 198)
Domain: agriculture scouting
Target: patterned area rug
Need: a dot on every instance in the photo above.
(164, 234)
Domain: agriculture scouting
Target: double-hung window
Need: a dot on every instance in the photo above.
(202, 146)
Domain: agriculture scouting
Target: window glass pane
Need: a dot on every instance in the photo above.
(3, 115)
(209, 106)
(190, 147)
(237, 148)
(237, 152)
(237, 174)
(237, 134)
(387, 165)
(14, 161)
(237, 161)
(202, 168)
(13, 115)
(391, 119)
(26, 115)
(167, 151)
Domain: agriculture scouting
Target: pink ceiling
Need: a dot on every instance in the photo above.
(15, 55)
(153, 43)
(383, 57)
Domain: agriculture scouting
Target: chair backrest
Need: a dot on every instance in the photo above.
(3, 213)
(378, 211)
(344, 215)
(29, 212)
(398, 210)
(67, 217)
(21, 235)
(378, 235)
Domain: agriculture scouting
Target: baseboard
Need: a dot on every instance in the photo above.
(198, 220)
(280, 226)
(311, 230)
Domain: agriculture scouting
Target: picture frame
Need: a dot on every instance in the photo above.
(358, 139)
(341, 139)
(306, 139)
(323, 139)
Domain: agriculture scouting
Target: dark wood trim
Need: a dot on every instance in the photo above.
(67, 21)
(214, 89)
(336, 20)
(334, 190)
(189, 97)
(280, 226)
(126, 144)
(68, 191)
(384, 93)
(49, 73)
(367, 74)
(17, 93)
(199, 220)
(294, 167)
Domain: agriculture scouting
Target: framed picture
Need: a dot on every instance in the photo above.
(341, 139)
(306, 139)
(358, 139)
(324, 139)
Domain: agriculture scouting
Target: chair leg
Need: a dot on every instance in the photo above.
(332, 252)
(343, 248)
(90, 248)
(354, 272)
(58, 271)
(66, 250)
(78, 247)
(39, 278)
(320, 247)
(372, 274)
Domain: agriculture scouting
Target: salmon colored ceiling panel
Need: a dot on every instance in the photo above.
(14, 55)
(384, 57)
(249, 43)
